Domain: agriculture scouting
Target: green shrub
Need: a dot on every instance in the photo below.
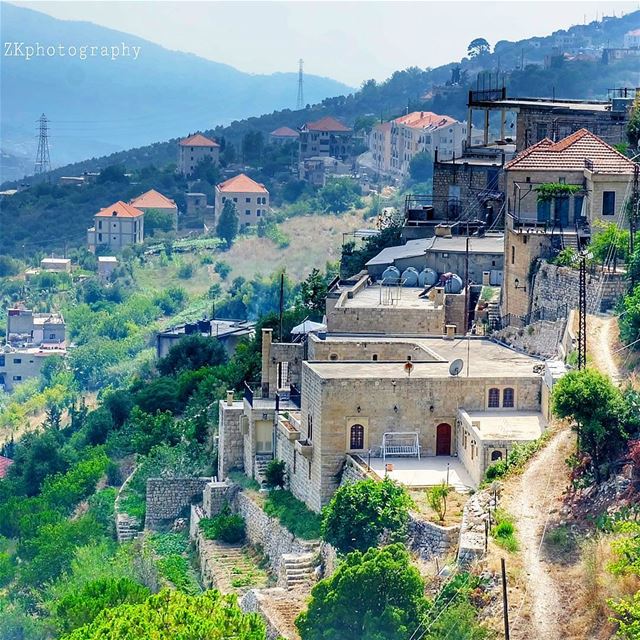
(504, 531)
(185, 271)
(226, 527)
(293, 514)
(165, 544)
(176, 569)
(437, 499)
(244, 480)
(275, 474)
(7, 569)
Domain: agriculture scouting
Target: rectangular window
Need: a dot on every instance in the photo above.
(99, 237)
(247, 212)
(99, 224)
(494, 398)
(17, 361)
(608, 203)
(578, 201)
(248, 200)
(17, 378)
(508, 398)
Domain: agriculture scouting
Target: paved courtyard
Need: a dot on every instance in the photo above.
(426, 472)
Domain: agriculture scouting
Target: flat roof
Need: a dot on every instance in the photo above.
(404, 298)
(508, 425)
(486, 357)
(219, 328)
(455, 244)
(559, 104)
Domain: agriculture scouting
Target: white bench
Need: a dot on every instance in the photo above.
(402, 443)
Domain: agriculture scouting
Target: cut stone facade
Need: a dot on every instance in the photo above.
(169, 498)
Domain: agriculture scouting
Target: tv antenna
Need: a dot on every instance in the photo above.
(300, 101)
(456, 367)
(43, 161)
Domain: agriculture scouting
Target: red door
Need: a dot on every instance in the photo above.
(443, 439)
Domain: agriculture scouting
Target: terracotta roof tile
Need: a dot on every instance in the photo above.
(570, 154)
(285, 132)
(198, 140)
(119, 210)
(326, 124)
(242, 184)
(424, 120)
(152, 199)
(5, 463)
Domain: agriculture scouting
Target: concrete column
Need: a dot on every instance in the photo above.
(503, 115)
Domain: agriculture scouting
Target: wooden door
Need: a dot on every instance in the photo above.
(443, 439)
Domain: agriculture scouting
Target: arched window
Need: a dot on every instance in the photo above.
(356, 437)
(494, 398)
(508, 397)
(496, 455)
(374, 357)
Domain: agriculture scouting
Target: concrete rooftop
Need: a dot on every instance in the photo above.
(509, 425)
(426, 472)
(403, 298)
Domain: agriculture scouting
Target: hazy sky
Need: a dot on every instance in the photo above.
(348, 41)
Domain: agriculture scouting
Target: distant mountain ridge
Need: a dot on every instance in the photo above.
(100, 105)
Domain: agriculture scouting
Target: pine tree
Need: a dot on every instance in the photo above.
(227, 227)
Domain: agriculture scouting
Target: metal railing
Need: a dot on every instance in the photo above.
(248, 394)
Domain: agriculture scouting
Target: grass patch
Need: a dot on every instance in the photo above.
(244, 481)
(559, 538)
(166, 544)
(134, 505)
(176, 569)
(293, 514)
(503, 532)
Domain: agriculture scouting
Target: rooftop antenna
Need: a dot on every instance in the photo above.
(300, 101)
(43, 161)
(456, 367)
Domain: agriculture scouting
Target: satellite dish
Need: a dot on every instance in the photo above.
(456, 367)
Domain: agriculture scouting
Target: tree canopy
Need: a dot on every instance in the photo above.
(191, 353)
(377, 595)
(478, 47)
(359, 512)
(227, 227)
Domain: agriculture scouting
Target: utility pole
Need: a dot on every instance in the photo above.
(633, 216)
(281, 302)
(505, 602)
(300, 100)
(43, 161)
(582, 313)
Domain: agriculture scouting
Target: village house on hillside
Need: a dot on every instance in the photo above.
(325, 138)
(153, 199)
(250, 198)
(193, 150)
(556, 191)
(394, 144)
(116, 226)
(282, 135)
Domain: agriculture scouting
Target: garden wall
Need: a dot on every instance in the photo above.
(167, 498)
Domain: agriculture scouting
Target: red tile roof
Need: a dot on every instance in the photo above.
(635, 32)
(570, 153)
(5, 463)
(119, 210)
(198, 140)
(241, 184)
(326, 124)
(285, 132)
(424, 119)
(153, 199)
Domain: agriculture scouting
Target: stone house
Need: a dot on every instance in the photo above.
(116, 226)
(193, 150)
(250, 198)
(153, 199)
(56, 265)
(106, 266)
(598, 182)
(18, 364)
(325, 138)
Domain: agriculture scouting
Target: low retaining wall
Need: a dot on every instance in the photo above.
(429, 539)
(473, 532)
(167, 498)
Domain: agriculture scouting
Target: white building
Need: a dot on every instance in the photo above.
(56, 265)
(250, 198)
(632, 39)
(116, 227)
(195, 149)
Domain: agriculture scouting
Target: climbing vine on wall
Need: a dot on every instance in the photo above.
(550, 190)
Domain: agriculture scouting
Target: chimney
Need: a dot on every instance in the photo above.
(449, 331)
(229, 398)
(486, 278)
(438, 299)
(267, 337)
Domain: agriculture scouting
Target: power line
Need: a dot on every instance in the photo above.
(43, 161)
(300, 100)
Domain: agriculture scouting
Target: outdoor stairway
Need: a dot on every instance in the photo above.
(299, 570)
(570, 241)
(126, 528)
(261, 463)
(493, 315)
(234, 564)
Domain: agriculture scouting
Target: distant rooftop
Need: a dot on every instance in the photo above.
(198, 140)
(374, 296)
(218, 328)
(491, 243)
(119, 210)
(153, 199)
(326, 124)
(285, 132)
(424, 120)
(241, 184)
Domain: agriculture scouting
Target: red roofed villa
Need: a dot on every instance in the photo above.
(325, 138)
(282, 135)
(251, 198)
(194, 149)
(555, 192)
(116, 227)
(153, 199)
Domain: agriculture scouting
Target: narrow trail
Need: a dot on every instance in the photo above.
(530, 499)
(601, 335)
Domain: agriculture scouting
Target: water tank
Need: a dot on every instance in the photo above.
(453, 284)
(390, 275)
(427, 277)
(410, 277)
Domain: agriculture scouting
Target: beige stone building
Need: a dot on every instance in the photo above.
(283, 135)
(195, 149)
(116, 226)
(598, 180)
(325, 138)
(153, 199)
(250, 198)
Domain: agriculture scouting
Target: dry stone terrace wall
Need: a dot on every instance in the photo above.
(167, 498)
(473, 529)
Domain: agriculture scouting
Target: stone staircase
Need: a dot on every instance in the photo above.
(298, 570)
(570, 240)
(232, 568)
(126, 528)
(261, 463)
(493, 315)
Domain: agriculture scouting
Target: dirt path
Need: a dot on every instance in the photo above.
(539, 612)
(602, 334)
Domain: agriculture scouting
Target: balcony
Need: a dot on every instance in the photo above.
(289, 425)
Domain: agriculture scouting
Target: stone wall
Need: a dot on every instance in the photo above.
(540, 338)
(167, 498)
(366, 349)
(555, 285)
(473, 530)
(429, 539)
(216, 495)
